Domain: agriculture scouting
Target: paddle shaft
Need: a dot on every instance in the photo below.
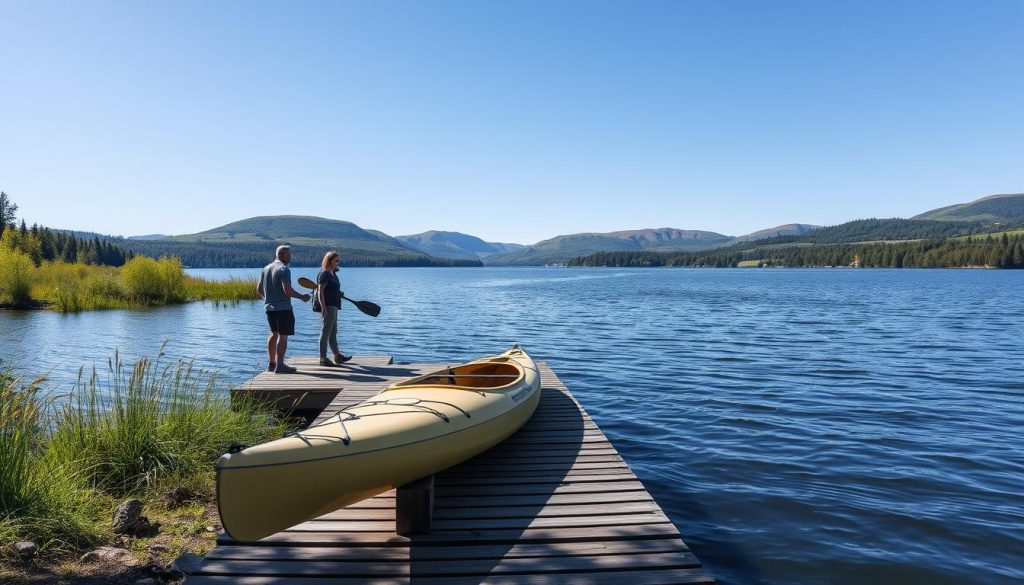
(371, 309)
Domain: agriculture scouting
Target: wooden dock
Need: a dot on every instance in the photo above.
(555, 503)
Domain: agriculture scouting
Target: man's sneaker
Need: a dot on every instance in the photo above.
(340, 358)
(271, 367)
(284, 369)
(326, 362)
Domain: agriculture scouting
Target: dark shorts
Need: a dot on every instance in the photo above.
(281, 322)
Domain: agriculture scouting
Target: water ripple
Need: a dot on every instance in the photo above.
(798, 426)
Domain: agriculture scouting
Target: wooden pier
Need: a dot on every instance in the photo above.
(555, 503)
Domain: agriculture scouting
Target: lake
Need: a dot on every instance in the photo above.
(798, 426)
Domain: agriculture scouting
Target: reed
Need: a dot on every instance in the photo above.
(142, 282)
(150, 421)
(39, 500)
(137, 430)
(234, 289)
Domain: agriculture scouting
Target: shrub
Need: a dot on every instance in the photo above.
(149, 280)
(15, 276)
(141, 278)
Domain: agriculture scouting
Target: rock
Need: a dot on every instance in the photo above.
(128, 518)
(187, 563)
(109, 554)
(25, 550)
(210, 529)
(159, 549)
(146, 581)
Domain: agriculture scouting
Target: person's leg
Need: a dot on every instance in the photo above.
(272, 339)
(339, 358)
(272, 348)
(282, 347)
(333, 338)
(285, 328)
(325, 330)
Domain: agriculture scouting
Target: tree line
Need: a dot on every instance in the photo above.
(1003, 251)
(863, 230)
(255, 254)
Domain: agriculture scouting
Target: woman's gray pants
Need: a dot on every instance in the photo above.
(329, 330)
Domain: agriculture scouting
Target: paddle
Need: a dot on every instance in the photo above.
(371, 309)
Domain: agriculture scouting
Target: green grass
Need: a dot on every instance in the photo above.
(141, 430)
(141, 282)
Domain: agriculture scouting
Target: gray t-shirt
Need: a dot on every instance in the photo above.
(274, 276)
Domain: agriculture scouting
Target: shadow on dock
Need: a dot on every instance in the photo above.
(497, 514)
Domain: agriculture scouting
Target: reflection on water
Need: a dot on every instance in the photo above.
(799, 426)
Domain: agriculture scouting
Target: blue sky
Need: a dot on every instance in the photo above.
(514, 121)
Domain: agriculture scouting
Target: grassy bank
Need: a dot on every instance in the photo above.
(148, 430)
(141, 282)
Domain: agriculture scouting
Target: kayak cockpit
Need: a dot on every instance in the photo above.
(472, 375)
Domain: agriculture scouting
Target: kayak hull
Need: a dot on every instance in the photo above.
(408, 431)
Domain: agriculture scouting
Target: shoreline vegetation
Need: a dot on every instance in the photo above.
(141, 282)
(148, 431)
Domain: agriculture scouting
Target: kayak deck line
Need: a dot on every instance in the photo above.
(553, 503)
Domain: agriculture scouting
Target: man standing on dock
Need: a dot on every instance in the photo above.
(275, 287)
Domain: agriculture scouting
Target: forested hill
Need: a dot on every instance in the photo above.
(1007, 208)
(866, 230)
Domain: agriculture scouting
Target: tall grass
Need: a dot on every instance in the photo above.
(233, 289)
(133, 431)
(73, 287)
(40, 500)
(141, 282)
(149, 421)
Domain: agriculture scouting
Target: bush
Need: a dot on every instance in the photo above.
(15, 277)
(141, 278)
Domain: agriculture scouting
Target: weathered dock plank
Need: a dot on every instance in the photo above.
(555, 503)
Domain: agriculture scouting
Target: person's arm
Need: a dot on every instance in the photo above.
(259, 287)
(286, 286)
(288, 290)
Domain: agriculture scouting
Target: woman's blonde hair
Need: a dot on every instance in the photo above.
(326, 264)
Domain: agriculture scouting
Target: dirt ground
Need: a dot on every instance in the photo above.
(191, 527)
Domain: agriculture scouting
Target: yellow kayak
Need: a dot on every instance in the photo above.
(409, 430)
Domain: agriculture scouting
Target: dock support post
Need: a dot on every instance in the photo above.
(414, 506)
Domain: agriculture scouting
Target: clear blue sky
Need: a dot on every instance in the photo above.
(514, 121)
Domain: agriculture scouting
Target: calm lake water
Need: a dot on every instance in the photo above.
(798, 426)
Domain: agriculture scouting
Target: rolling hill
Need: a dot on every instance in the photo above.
(251, 242)
(565, 247)
(455, 245)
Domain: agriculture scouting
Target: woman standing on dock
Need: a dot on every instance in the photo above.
(329, 294)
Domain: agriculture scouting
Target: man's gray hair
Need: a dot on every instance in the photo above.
(281, 249)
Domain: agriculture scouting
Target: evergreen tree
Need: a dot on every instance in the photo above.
(70, 251)
(8, 209)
